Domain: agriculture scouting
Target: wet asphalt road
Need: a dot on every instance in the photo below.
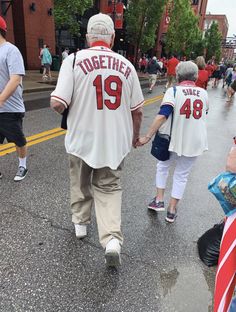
(43, 268)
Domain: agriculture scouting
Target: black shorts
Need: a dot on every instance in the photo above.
(11, 128)
(47, 66)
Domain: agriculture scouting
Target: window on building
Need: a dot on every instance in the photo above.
(195, 2)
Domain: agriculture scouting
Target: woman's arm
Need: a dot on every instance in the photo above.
(156, 124)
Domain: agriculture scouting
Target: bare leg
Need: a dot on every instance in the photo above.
(172, 205)
(44, 71)
(49, 74)
(160, 194)
(21, 151)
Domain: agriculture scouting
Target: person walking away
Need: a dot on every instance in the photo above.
(153, 68)
(143, 64)
(210, 69)
(65, 54)
(228, 75)
(160, 63)
(203, 77)
(223, 68)
(12, 107)
(47, 62)
(187, 105)
(171, 74)
(216, 76)
(105, 101)
(232, 88)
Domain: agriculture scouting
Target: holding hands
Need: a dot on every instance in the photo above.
(141, 141)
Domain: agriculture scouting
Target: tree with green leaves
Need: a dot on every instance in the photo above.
(183, 35)
(213, 40)
(66, 13)
(142, 19)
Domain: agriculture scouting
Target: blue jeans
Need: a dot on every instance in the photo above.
(233, 305)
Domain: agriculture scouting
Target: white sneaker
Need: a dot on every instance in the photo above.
(112, 253)
(21, 174)
(80, 230)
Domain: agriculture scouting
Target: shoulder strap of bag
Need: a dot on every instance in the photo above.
(74, 60)
(172, 115)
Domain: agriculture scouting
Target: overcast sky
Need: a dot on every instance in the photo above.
(227, 7)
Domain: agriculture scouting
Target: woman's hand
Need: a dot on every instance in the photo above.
(143, 140)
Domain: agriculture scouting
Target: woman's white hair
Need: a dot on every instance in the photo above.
(100, 28)
(186, 71)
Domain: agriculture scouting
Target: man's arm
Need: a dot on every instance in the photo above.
(10, 88)
(137, 116)
(57, 106)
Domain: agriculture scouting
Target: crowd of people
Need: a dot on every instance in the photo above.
(209, 74)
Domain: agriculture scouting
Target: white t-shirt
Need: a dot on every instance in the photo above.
(189, 132)
(101, 90)
(64, 55)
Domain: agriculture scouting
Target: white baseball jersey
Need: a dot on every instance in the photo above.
(101, 91)
(189, 133)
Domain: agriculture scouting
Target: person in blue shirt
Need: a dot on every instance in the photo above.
(46, 62)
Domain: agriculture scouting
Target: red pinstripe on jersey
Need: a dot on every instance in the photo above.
(226, 273)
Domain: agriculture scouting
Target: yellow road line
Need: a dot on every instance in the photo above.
(32, 137)
(153, 100)
(38, 138)
(53, 133)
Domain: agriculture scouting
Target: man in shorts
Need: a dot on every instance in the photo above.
(153, 68)
(12, 107)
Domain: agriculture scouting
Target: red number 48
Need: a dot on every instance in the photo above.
(186, 109)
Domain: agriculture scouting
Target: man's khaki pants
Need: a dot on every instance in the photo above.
(101, 186)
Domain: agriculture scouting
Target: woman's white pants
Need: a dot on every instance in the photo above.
(182, 169)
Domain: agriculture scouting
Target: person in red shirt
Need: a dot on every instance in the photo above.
(210, 68)
(171, 66)
(203, 75)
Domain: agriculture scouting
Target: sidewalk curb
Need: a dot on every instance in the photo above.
(143, 81)
(34, 90)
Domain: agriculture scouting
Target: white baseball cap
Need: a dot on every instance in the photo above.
(100, 24)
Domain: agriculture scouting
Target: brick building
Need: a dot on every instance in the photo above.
(30, 25)
(221, 20)
(199, 7)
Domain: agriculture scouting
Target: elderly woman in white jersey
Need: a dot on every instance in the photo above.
(189, 105)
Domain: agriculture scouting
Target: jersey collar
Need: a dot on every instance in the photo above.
(187, 83)
(100, 44)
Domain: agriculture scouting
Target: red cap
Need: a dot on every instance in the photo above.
(3, 24)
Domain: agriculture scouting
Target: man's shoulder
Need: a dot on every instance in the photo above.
(8, 46)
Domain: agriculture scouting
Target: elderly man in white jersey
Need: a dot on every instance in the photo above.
(105, 101)
(187, 105)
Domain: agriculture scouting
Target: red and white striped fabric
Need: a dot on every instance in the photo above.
(226, 273)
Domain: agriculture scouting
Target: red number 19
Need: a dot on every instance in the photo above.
(116, 92)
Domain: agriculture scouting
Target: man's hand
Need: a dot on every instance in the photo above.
(135, 142)
(143, 140)
(57, 106)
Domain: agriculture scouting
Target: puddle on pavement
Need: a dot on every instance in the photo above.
(187, 289)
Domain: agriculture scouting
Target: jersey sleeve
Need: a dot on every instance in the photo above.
(15, 62)
(65, 83)
(169, 98)
(207, 102)
(137, 98)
